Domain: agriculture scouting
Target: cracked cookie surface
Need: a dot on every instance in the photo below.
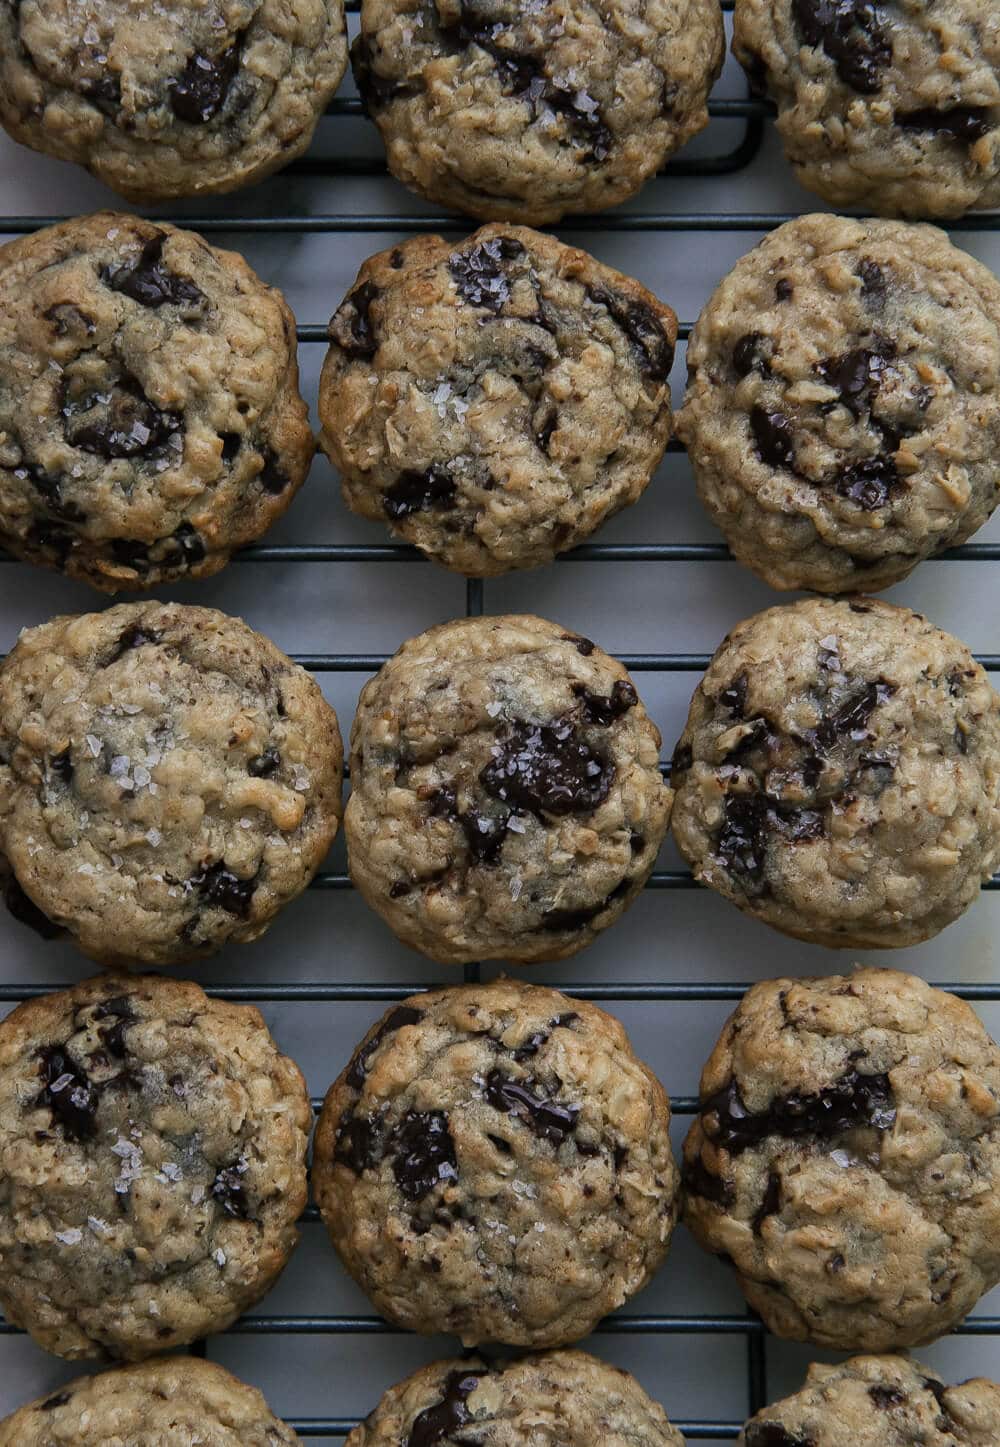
(169, 779)
(152, 1165)
(843, 411)
(150, 416)
(891, 106)
(495, 400)
(506, 795)
(846, 1158)
(568, 1396)
(515, 112)
(179, 1402)
(877, 1400)
(495, 1162)
(839, 774)
(176, 99)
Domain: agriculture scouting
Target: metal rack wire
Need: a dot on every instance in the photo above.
(753, 114)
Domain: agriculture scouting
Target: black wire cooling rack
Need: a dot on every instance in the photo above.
(754, 115)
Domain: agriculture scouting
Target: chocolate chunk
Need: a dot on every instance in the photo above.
(683, 758)
(854, 1102)
(853, 34)
(358, 1069)
(149, 281)
(49, 486)
(480, 274)
(544, 1117)
(121, 421)
(937, 1389)
(105, 91)
(62, 766)
(748, 355)
(359, 1143)
(643, 328)
(119, 1010)
(229, 1191)
(190, 544)
(772, 1434)
(134, 636)
(231, 443)
(734, 696)
(557, 920)
(68, 320)
(198, 94)
(547, 769)
(874, 284)
(68, 1092)
(604, 711)
(966, 124)
(851, 717)
(423, 1153)
(699, 1181)
(26, 911)
(783, 289)
(52, 538)
(51, 1403)
(549, 424)
(400, 889)
(771, 1204)
(221, 889)
(420, 491)
(440, 1421)
(272, 478)
(886, 1397)
(855, 375)
(265, 765)
(534, 1042)
(741, 844)
(484, 835)
(871, 483)
(582, 645)
(352, 328)
(772, 436)
(375, 90)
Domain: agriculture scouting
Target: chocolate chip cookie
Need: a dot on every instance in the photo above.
(495, 400)
(843, 411)
(839, 775)
(875, 1401)
(515, 112)
(495, 1162)
(570, 1396)
(168, 781)
(152, 1165)
(893, 108)
(846, 1158)
(506, 799)
(150, 416)
(173, 99)
(175, 1402)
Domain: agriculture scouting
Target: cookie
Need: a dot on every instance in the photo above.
(515, 112)
(843, 410)
(152, 1165)
(176, 1402)
(890, 109)
(872, 1401)
(506, 799)
(495, 1162)
(569, 1397)
(494, 401)
(846, 1158)
(839, 775)
(150, 416)
(173, 99)
(168, 781)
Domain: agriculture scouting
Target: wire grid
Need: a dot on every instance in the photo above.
(754, 114)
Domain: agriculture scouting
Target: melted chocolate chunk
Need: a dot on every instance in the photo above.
(420, 491)
(855, 375)
(149, 281)
(772, 1434)
(741, 845)
(53, 539)
(683, 758)
(965, 124)
(271, 476)
(886, 1397)
(604, 711)
(853, 33)
(68, 1092)
(229, 1191)
(748, 355)
(220, 888)
(134, 636)
(67, 319)
(851, 718)
(265, 765)
(198, 94)
(534, 1042)
(771, 1204)
(484, 836)
(854, 1102)
(874, 284)
(772, 437)
(358, 1068)
(582, 645)
(376, 91)
(119, 1011)
(51, 1403)
(49, 486)
(480, 274)
(119, 422)
(734, 696)
(26, 911)
(62, 766)
(231, 443)
(699, 1181)
(359, 1143)
(352, 327)
(871, 483)
(547, 769)
(544, 1117)
(442, 1420)
(104, 91)
(783, 289)
(643, 328)
(557, 920)
(423, 1153)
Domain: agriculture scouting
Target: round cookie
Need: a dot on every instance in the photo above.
(839, 774)
(169, 779)
(150, 416)
(152, 1165)
(494, 401)
(846, 1158)
(495, 1162)
(515, 112)
(176, 99)
(875, 1401)
(569, 1396)
(843, 410)
(893, 109)
(175, 1402)
(506, 799)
